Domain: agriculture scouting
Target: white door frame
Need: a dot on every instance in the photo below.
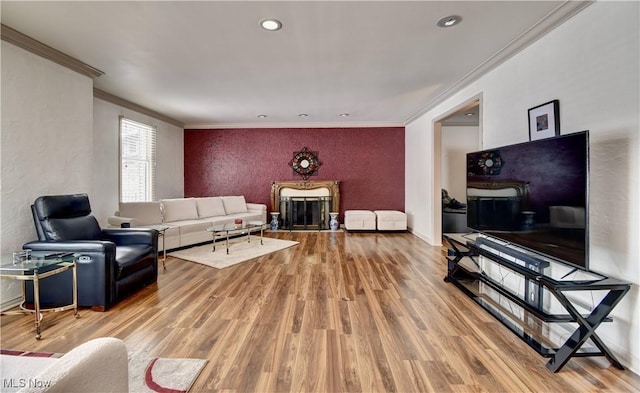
(437, 159)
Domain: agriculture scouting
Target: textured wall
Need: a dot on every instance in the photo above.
(368, 162)
(47, 143)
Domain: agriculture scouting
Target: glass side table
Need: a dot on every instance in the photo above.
(35, 269)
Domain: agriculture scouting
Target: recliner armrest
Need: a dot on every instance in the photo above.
(124, 236)
(97, 269)
(76, 246)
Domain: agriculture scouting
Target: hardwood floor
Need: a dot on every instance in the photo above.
(359, 312)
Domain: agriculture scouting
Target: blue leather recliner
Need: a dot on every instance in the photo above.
(111, 263)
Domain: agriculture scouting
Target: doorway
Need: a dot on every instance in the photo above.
(456, 133)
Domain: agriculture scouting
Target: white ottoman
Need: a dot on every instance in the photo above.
(359, 220)
(391, 220)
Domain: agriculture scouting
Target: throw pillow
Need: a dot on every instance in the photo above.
(179, 209)
(143, 213)
(210, 207)
(234, 204)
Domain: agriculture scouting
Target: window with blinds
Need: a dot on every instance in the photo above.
(137, 161)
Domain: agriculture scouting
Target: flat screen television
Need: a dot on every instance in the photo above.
(534, 195)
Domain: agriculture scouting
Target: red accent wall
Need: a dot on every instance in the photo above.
(368, 162)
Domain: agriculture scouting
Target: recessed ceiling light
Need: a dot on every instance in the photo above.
(449, 21)
(344, 114)
(262, 116)
(469, 114)
(271, 24)
(303, 115)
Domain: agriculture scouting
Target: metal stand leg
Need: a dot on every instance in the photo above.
(75, 290)
(36, 300)
(164, 252)
(587, 329)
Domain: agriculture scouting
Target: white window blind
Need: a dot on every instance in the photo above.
(137, 161)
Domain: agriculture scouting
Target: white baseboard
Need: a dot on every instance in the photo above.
(9, 304)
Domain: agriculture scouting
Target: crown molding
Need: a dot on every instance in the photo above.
(553, 19)
(103, 95)
(36, 47)
(291, 125)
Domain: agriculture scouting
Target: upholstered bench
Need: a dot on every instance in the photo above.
(359, 220)
(391, 220)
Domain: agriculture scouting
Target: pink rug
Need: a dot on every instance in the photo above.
(146, 374)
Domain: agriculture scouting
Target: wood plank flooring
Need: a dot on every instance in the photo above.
(340, 312)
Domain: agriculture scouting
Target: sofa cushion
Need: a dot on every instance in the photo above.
(234, 204)
(143, 213)
(179, 209)
(190, 226)
(210, 207)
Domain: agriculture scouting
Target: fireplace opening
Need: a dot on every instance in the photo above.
(306, 213)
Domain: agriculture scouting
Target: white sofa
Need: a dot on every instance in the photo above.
(187, 218)
(99, 365)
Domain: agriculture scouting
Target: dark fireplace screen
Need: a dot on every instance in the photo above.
(305, 212)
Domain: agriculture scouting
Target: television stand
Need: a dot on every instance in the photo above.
(541, 277)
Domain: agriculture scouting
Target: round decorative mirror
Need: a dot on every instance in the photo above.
(305, 163)
(490, 162)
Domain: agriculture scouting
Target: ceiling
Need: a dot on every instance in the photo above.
(210, 64)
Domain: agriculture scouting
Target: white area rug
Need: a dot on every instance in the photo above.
(239, 251)
(148, 375)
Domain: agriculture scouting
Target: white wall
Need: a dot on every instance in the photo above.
(419, 174)
(58, 139)
(47, 141)
(591, 64)
(457, 141)
(169, 157)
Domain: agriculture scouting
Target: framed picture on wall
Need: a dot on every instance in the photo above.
(544, 120)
